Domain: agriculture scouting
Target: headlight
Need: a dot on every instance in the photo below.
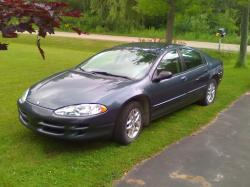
(24, 96)
(81, 110)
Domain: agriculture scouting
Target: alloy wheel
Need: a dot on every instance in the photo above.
(211, 92)
(134, 123)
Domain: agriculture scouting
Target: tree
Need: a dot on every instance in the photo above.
(157, 9)
(24, 15)
(169, 8)
(244, 6)
(170, 21)
(113, 15)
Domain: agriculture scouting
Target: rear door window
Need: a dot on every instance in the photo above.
(191, 58)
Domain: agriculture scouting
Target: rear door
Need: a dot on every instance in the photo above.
(195, 73)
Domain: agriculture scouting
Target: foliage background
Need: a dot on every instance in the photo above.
(195, 19)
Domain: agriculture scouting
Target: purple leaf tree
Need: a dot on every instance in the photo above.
(29, 16)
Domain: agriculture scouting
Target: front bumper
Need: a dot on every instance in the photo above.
(44, 121)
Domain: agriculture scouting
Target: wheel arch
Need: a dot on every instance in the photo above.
(144, 100)
(216, 77)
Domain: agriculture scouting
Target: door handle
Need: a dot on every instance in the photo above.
(199, 78)
(205, 70)
(202, 76)
(184, 78)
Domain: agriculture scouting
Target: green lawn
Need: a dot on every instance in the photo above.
(27, 159)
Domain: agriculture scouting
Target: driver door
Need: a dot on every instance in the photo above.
(169, 94)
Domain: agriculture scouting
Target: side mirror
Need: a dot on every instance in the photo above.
(162, 76)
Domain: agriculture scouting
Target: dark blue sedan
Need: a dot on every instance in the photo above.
(119, 91)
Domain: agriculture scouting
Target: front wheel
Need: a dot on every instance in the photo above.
(129, 123)
(210, 93)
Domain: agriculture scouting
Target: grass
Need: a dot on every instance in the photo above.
(27, 159)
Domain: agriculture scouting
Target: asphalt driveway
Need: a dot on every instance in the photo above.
(217, 156)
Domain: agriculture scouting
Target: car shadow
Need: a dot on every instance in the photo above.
(54, 147)
(175, 113)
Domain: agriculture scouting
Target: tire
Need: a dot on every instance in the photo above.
(210, 93)
(123, 133)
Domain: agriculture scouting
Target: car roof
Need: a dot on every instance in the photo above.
(154, 47)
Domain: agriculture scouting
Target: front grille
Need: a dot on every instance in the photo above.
(53, 128)
(23, 117)
(62, 130)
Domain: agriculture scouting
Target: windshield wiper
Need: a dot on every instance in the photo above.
(110, 74)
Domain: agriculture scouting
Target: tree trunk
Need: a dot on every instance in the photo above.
(170, 21)
(244, 37)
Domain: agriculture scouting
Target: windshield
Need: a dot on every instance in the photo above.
(133, 64)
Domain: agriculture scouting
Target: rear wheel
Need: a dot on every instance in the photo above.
(210, 93)
(129, 123)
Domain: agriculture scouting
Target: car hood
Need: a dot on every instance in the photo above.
(73, 87)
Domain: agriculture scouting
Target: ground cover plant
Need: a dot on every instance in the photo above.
(27, 159)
